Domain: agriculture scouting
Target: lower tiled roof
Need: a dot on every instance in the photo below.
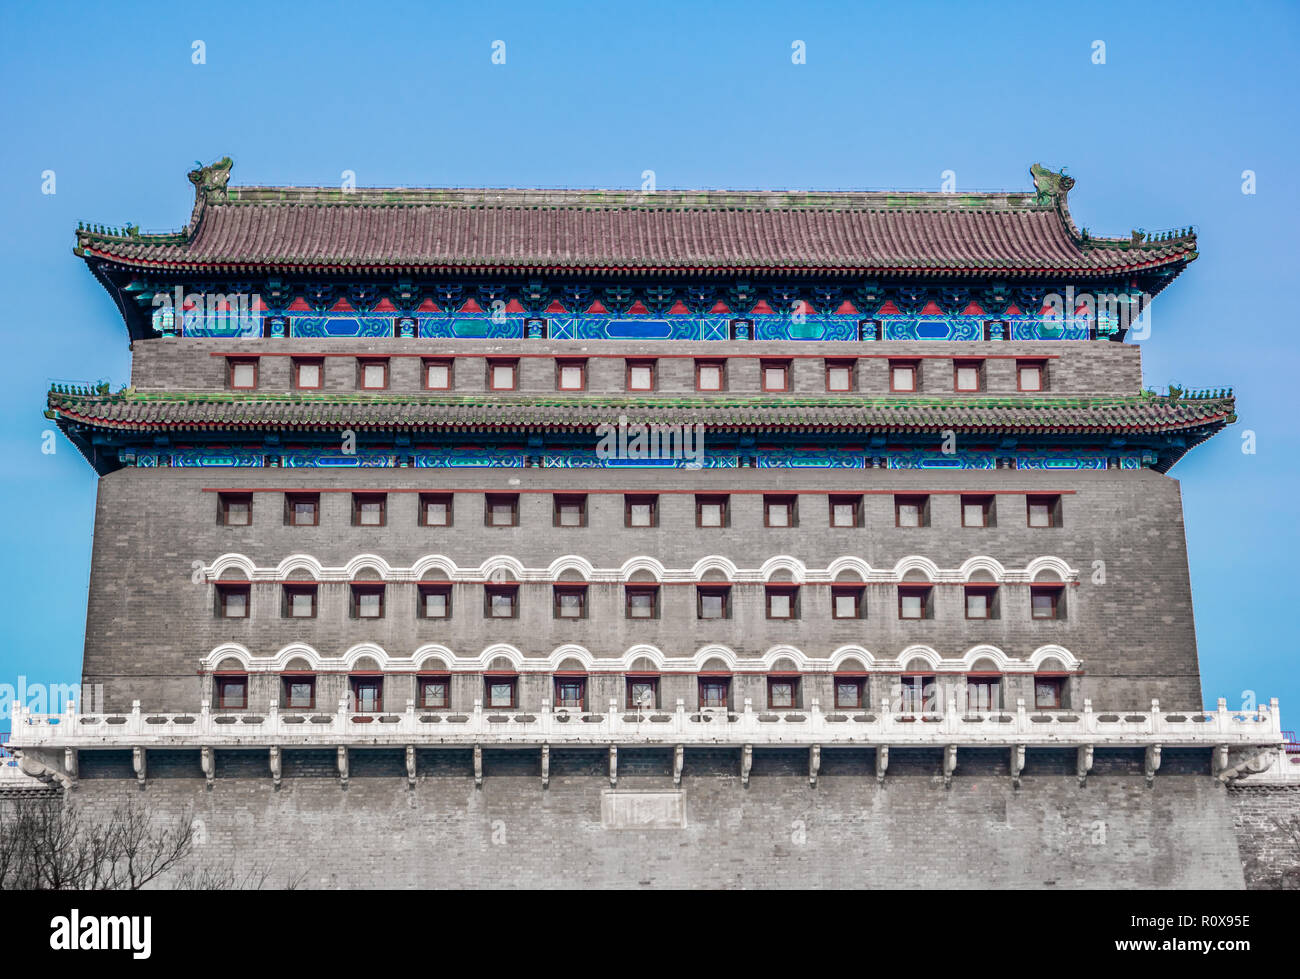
(133, 411)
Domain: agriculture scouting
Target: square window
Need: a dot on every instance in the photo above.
(1043, 511)
(715, 692)
(846, 602)
(839, 376)
(845, 511)
(642, 602)
(911, 511)
(570, 511)
(435, 509)
(642, 692)
(501, 375)
(502, 601)
(977, 511)
(640, 375)
(570, 602)
(713, 603)
(299, 692)
(711, 511)
(966, 376)
(235, 509)
(232, 692)
(502, 510)
(308, 374)
(776, 377)
(979, 602)
(435, 692)
(848, 692)
(435, 601)
(983, 693)
(300, 601)
(1045, 601)
(500, 691)
(570, 375)
(709, 376)
(779, 511)
(914, 602)
(782, 603)
(243, 374)
(1030, 376)
(367, 601)
(902, 377)
(374, 375)
(782, 693)
(233, 601)
(302, 509)
(571, 692)
(1049, 692)
(437, 375)
(369, 509)
(641, 511)
(919, 695)
(367, 694)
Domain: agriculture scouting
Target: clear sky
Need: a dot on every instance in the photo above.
(706, 95)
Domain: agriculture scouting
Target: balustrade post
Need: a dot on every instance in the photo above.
(613, 719)
(1088, 720)
(815, 715)
(1022, 722)
(1156, 723)
(1275, 718)
(205, 717)
(137, 721)
(1221, 715)
(950, 715)
(547, 718)
(408, 722)
(679, 719)
(478, 727)
(341, 718)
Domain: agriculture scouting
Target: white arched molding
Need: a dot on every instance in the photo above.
(368, 650)
(442, 566)
(926, 654)
(568, 651)
(643, 651)
(227, 650)
(1053, 651)
(851, 651)
(784, 651)
(713, 651)
(976, 653)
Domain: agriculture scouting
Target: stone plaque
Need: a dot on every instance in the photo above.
(643, 810)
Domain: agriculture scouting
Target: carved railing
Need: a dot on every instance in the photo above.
(485, 725)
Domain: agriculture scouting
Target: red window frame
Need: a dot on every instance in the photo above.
(632, 499)
(491, 500)
(1053, 683)
(715, 692)
(634, 681)
(650, 365)
(911, 365)
(495, 362)
(291, 515)
(850, 500)
(221, 685)
(498, 680)
(860, 685)
(362, 500)
(570, 692)
(1041, 365)
(1053, 505)
(922, 504)
(992, 681)
(491, 591)
(362, 364)
(234, 362)
(710, 499)
(845, 365)
(564, 501)
(224, 500)
(561, 590)
(299, 363)
(651, 590)
(561, 364)
(990, 593)
(985, 503)
(924, 592)
(428, 362)
(1054, 592)
(791, 505)
(446, 499)
(856, 592)
(361, 682)
(227, 589)
(958, 366)
(289, 680)
(721, 366)
(290, 590)
(792, 591)
(432, 682)
(423, 592)
(722, 591)
(783, 680)
(771, 365)
(358, 589)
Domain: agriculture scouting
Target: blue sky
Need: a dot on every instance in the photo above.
(705, 95)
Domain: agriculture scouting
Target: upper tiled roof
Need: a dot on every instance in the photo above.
(1029, 414)
(314, 228)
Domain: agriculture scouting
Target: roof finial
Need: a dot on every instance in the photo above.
(1050, 184)
(210, 181)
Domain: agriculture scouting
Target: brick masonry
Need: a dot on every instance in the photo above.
(1267, 821)
(848, 831)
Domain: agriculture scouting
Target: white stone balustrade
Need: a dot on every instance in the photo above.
(486, 726)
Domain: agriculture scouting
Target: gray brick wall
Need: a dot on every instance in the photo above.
(148, 624)
(1267, 822)
(847, 832)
